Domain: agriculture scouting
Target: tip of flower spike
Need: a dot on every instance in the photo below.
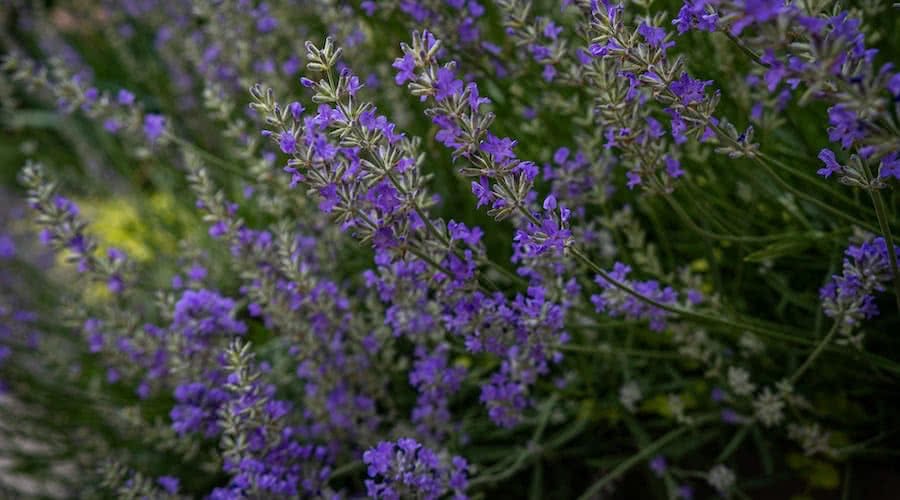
(550, 202)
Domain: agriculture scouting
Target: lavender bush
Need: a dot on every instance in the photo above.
(449, 249)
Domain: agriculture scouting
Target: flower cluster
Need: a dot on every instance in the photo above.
(633, 68)
(406, 469)
(616, 302)
(118, 111)
(849, 298)
(824, 55)
(63, 229)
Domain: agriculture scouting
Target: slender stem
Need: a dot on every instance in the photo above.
(809, 177)
(804, 196)
(699, 317)
(817, 351)
(763, 161)
(345, 469)
(233, 169)
(534, 450)
(647, 451)
(638, 353)
(703, 232)
(515, 278)
(745, 49)
(881, 213)
(734, 443)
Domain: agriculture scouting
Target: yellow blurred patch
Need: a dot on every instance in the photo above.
(117, 222)
(658, 404)
(97, 293)
(818, 473)
(463, 361)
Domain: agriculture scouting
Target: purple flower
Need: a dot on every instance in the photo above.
(291, 66)
(679, 127)
(685, 492)
(500, 149)
(559, 157)
(717, 394)
(730, 416)
(287, 142)
(849, 297)
(296, 110)
(550, 203)
(482, 192)
(7, 247)
(458, 231)
(406, 469)
(776, 70)
(111, 125)
(197, 406)
(658, 465)
(448, 132)
(115, 284)
(757, 11)
(201, 313)
(169, 484)
(693, 14)
(125, 98)
(673, 167)
(154, 126)
(831, 164)
(552, 31)
(446, 84)
(689, 90)
(893, 85)
(617, 302)
(890, 166)
(475, 100)
(634, 179)
(353, 85)
(655, 37)
(845, 126)
(218, 229)
(505, 397)
(196, 272)
(549, 72)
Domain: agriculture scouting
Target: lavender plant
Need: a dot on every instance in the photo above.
(449, 249)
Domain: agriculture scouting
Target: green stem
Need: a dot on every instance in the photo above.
(647, 451)
(809, 177)
(534, 450)
(816, 352)
(233, 169)
(345, 469)
(745, 49)
(762, 160)
(881, 213)
(699, 317)
(810, 199)
(637, 353)
(708, 234)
